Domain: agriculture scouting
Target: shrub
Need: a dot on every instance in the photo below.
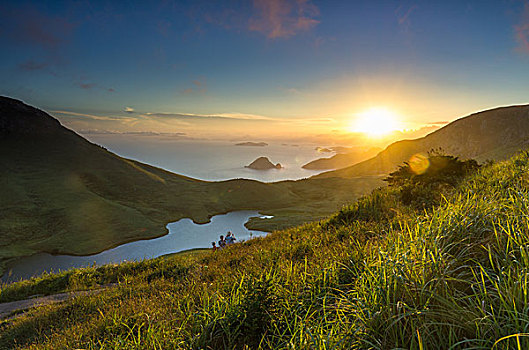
(425, 179)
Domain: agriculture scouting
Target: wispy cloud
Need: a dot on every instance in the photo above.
(522, 30)
(90, 86)
(131, 133)
(290, 90)
(26, 25)
(169, 124)
(160, 116)
(93, 116)
(319, 121)
(163, 27)
(283, 18)
(129, 110)
(413, 133)
(403, 14)
(29, 25)
(199, 86)
(227, 18)
(33, 66)
(86, 86)
(225, 116)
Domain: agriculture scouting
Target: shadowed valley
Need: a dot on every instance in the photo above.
(63, 194)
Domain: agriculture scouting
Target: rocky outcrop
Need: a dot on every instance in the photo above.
(252, 144)
(263, 163)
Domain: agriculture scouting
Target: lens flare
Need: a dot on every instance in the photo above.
(419, 163)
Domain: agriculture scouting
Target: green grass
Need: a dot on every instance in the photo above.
(64, 195)
(96, 277)
(377, 274)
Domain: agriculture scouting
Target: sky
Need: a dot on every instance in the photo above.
(264, 68)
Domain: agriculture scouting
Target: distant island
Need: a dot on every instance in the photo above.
(341, 149)
(344, 157)
(263, 163)
(37, 211)
(336, 149)
(252, 144)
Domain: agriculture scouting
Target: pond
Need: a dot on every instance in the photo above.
(183, 234)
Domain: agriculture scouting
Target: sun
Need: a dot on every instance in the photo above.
(375, 122)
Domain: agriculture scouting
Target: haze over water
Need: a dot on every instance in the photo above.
(214, 160)
(205, 160)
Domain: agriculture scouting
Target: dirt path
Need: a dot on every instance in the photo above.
(15, 308)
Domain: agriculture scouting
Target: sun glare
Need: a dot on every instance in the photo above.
(375, 122)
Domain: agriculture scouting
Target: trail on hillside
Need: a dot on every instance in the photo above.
(17, 308)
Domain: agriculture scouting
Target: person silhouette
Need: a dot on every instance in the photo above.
(222, 242)
(230, 238)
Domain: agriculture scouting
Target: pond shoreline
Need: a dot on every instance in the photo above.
(182, 235)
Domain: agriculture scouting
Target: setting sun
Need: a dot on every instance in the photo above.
(375, 122)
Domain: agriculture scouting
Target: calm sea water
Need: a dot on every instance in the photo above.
(213, 160)
(183, 235)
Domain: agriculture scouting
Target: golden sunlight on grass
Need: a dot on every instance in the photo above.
(375, 122)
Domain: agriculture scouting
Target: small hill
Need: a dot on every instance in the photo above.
(263, 163)
(341, 160)
(493, 134)
(323, 149)
(63, 194)
(378, 274)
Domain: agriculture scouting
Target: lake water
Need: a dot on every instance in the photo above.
(183, 234)
(205, 160)
(213, 160)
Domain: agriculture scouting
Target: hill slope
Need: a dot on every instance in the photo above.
(63, 194)
(341, 160)
(376, 275)
(492, 134)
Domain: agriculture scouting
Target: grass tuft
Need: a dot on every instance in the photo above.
(378, 274)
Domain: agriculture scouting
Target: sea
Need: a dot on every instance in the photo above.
(213, 160)
(205, 160)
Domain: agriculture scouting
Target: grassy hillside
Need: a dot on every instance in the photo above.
(378, 274)
(342, 160)
(63, 194)
(494, 134)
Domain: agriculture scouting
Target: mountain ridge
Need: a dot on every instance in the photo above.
(28, 119)
(62, 194)
(491, 134)
(379, 273)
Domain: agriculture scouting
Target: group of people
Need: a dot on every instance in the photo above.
(224, 241)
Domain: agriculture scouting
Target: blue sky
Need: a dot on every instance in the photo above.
(263, 64)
